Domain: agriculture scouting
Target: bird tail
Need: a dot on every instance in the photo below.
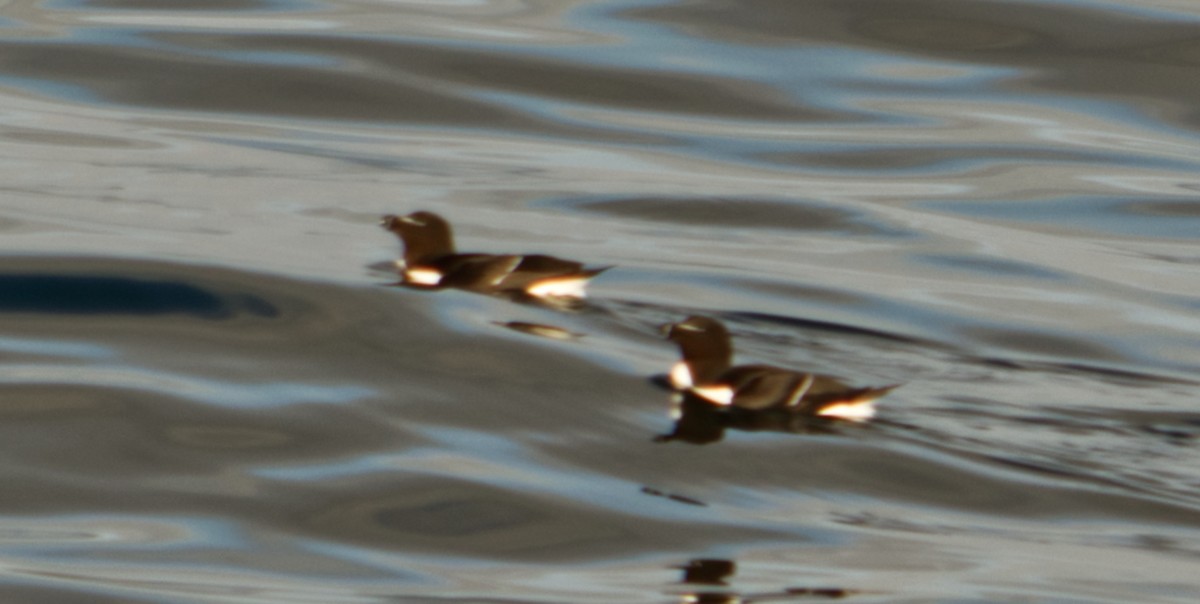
(871, 393)
(592, 272)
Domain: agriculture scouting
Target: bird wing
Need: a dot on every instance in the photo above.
(763, 386)
(536, 267)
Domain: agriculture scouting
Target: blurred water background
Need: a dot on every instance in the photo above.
(208, 395)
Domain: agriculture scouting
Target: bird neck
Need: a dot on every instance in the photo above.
(707, 360)
(427, 244)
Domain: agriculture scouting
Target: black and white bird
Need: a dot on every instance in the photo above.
(706, 371)
(430, 261)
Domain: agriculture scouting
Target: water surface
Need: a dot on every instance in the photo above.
(211, 396)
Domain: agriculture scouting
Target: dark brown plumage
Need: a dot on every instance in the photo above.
(706, 371)
(430, 261)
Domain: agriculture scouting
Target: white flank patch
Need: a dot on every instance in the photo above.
(719, 394)
(860, 411)
(423, 276)
(681, 376)
(559, 287)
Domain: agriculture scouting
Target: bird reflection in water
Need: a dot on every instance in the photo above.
(431, 262)
(699, 422)
(714, 572)
(551, 332)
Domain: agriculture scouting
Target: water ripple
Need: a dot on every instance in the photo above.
(989, 202)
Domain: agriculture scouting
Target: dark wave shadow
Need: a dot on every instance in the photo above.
(732, 212)
(68, 294)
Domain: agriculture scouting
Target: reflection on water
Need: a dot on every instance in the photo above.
(537, 329)
(208, 396)
(716, 572)
(699, 422)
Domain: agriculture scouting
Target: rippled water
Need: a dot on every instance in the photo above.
(208, 395)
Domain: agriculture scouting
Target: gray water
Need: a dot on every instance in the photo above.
(209, 394)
